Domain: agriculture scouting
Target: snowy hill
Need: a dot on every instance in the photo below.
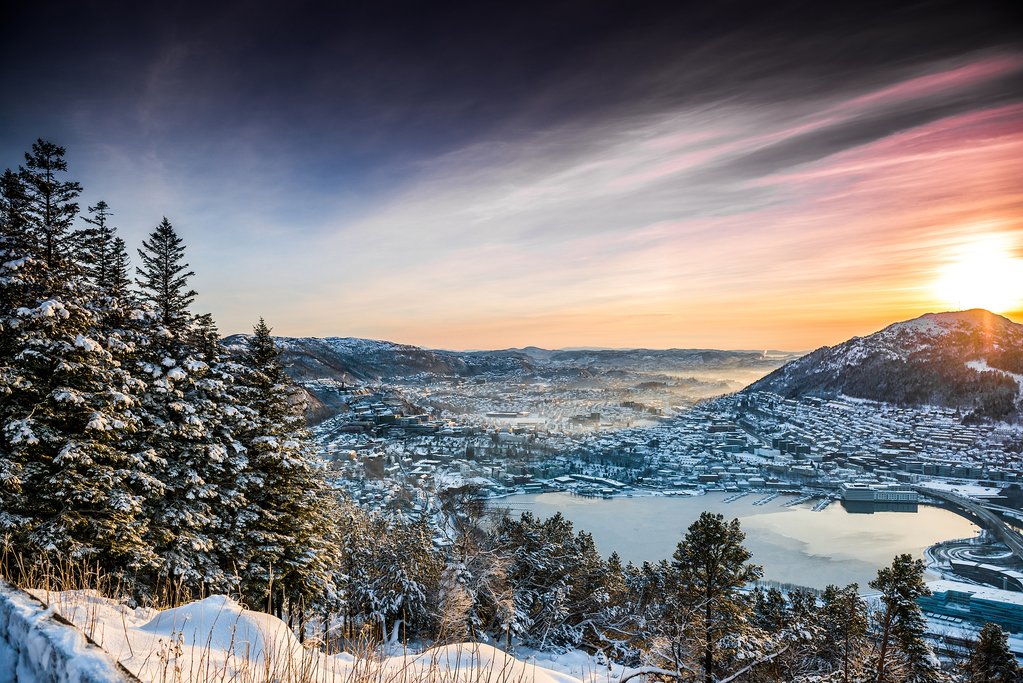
(967, 359)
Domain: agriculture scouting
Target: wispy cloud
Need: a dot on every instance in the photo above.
(635, 218)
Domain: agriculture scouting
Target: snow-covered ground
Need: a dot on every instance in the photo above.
(969, 490)
(982, 366)
(216, 639)
(36, 648)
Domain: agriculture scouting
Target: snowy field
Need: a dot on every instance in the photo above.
(217, 640)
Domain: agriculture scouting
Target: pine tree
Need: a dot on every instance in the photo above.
(770, 610)
(711, 565)
(97, 248)
(163, 278)
(845, 621)
(901, 619)
(119, 279)
(68, 402)
(190, 414)
(51, 204)
(281, 524)
(991, 661)
(15, 238)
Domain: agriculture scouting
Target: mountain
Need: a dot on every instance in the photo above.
(354, 359)
(966, 359)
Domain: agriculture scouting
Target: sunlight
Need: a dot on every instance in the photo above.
(984, 274)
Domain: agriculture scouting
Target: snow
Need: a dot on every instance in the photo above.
(217, 638)
(86, 344)
(101, 423)
(37, 648)
(193, 365)
(48, 309)
(68, 396)
(19, 431)
(176, 374)
(969, 490)
(982, 366)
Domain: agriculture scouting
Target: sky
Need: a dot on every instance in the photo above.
(748, 175)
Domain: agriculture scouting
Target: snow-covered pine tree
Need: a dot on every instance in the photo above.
(119, 279)
(188, 442)
(991, 660)
(710, 566)
(901, 623)
(15, 238)
(280, 529)
(540, 571)
(845, 620)
(68, 404)
(405, 576)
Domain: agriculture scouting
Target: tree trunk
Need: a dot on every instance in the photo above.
(883, 654)
(845, 660)
(708, 652)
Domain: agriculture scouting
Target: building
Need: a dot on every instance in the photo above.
(878, 493)
(974, 604)
(993, 575)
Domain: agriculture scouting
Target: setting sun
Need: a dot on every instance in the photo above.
(984, 274)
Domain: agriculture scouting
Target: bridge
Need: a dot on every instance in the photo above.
(990, 519)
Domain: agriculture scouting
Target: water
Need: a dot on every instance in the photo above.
(794, 544)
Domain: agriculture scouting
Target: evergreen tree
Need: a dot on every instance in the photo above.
(163, 278)
(901, 620)
(991, 661)
(190, 414)
(51, 204)
(97, 248)
(770, 610)
(845, 620)
(281, 523)
(711, 565)
(15, 238)
(119, 278)
(541, 567)
(69, 404)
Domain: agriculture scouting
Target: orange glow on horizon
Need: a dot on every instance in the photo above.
(983, 274)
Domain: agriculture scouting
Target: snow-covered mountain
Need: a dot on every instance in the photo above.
(367, 359)
(969, 359)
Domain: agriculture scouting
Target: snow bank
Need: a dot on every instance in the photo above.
(37, 648)
(217, 639)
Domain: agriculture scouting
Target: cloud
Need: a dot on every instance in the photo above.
(737, 174)
(637, 217)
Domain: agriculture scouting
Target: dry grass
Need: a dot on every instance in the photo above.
(88, 598)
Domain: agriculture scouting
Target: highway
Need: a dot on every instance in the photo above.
(991, 520)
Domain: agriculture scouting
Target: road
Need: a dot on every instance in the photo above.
(991, 520)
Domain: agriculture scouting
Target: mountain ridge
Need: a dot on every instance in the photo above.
(965, 359)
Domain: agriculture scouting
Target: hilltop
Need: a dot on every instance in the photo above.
(972, 360)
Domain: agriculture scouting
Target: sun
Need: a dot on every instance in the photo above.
(982, 274)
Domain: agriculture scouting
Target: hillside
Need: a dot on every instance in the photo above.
(971, 360)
